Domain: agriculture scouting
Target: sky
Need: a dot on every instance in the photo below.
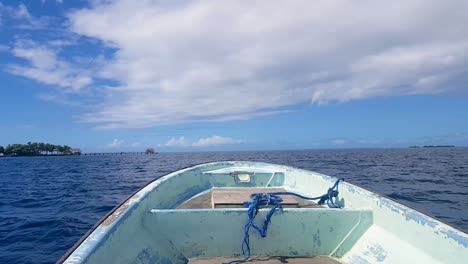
(124, 75)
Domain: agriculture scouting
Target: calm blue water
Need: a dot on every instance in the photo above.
(48, 203)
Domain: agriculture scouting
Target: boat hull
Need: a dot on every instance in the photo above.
(152, 227)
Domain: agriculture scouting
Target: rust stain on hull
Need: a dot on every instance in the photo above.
(118, 212)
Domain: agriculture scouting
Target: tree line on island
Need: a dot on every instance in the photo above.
(37, 149)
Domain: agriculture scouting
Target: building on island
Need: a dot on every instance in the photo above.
(75, 151)
(149, 151)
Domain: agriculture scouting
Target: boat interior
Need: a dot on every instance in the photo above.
(197, 215)
(217, 215)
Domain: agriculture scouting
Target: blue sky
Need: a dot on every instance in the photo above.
(199, 76)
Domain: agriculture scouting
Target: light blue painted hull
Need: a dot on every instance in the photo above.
(147, 227)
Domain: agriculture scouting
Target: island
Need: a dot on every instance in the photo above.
(37, 149)
(433, 146)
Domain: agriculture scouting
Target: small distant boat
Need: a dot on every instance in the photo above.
(197, 215)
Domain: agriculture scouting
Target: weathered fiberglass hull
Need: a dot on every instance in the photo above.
(153, 226)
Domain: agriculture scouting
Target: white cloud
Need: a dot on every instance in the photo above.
(338, 141)
(60, 42)
(121, 144)
(58, 99)
(215, 141)
(135, 144)
(215, 61)
(210, 61)
(18, 12)
(368, 141)
(116, 143)
(22, 12)
(56, 1)
(23, 19)
(201, 142)
(177, 142)
(45, 67)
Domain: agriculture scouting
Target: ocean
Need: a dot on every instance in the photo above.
(48, 203)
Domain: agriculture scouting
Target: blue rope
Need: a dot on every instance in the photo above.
(263, 200)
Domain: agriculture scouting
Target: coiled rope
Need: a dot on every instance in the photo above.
(263, 200)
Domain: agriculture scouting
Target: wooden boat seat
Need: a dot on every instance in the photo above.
(269, 260)
(235, 198)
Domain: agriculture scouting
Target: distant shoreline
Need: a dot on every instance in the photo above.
(25, 156)
(267, 150)
(433, 146)
(81, 154)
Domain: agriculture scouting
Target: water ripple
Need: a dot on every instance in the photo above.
(48, 203)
